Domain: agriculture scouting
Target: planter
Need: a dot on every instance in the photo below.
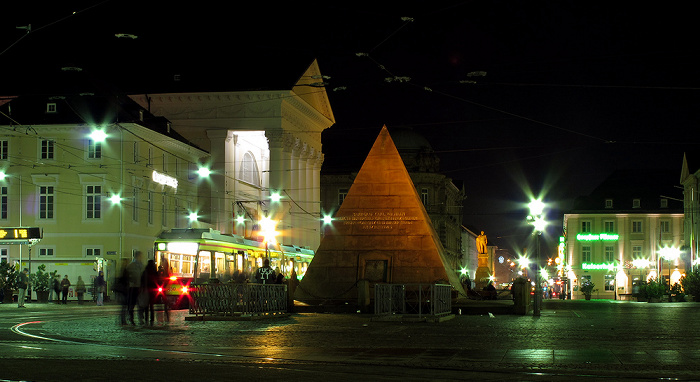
(42, 296)
(588, 297)
(641, 299)
(654, 299)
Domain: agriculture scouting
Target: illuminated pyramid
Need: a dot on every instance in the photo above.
(381, 233)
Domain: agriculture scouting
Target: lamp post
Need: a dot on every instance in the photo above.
(536, 218)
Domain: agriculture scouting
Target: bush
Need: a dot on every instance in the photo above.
(587, 288)
(655, 288)
(8, 276)
(41, 280)
(691, 282)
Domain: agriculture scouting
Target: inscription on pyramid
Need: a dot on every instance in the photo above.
(381, 233)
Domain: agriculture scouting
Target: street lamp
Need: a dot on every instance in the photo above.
(536, 218)
(268, 231)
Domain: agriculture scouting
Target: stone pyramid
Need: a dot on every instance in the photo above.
(381, 233)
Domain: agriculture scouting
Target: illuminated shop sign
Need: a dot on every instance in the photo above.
(597, 237)
(592, 266)
(164, 179)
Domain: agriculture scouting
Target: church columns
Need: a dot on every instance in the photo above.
(218, 183)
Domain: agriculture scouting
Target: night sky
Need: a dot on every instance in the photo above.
(572, 90)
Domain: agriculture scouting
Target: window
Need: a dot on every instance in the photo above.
(135, 205)
(44, 252)
(149, 201)
(94, 149)
(165, 162)
(637, 226)
(51, 107)
(665, 226)
(586, 254)
(609, 282)
(249, 170)
(585, 279)
(608, 203)
(424, 196)
(178, 212)
(342, 194)
(609, 253)
(150, 157)
(136, 152)
(46, 202)
(164, 211)
(4, 254)
(47, 149)
(609, 227)
(636, 203)
(585, 227)
(93, 252)
(3, 203)
(664, 203)
(4, 146)
(636, 252)
(94, 202)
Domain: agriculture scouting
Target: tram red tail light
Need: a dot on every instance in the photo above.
(185, 289)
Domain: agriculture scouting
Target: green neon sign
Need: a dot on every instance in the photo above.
(593, 266)
(597, 237)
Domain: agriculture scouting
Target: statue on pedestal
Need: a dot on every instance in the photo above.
(481, 243)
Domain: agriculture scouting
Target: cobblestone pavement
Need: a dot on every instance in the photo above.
(570, 340)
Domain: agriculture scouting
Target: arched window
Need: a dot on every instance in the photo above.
(249, 170)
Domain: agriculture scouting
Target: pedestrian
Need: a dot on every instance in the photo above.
(164, 279)
(80, 289)
(57, 288)
(280, 277)
(99, 288)
(65, 285)
(149, 290)
(22, 284)
(134, 271)
(265, 274)
(121, 291)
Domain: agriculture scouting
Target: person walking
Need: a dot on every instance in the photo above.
(99, 288)
(23, 284)
(164, 279)
(80, 289)
(135, 271)
(121, 291)
(65, 284)
(149, 286)
(56, 285)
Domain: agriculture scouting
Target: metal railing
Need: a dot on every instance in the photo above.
(238, 299)
(413, 299)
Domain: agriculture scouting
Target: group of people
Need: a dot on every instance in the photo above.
(59, 290)
(138, 286)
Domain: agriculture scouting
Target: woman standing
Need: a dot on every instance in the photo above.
(99, 287)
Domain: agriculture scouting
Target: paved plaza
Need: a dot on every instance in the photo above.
(571, 339)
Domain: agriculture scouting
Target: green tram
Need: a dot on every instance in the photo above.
(193, 256)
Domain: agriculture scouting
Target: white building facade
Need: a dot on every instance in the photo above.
(263, 144)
